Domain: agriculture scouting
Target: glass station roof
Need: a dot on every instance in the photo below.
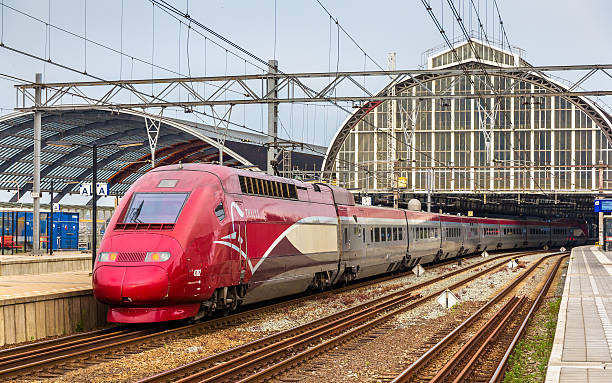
(67, 167)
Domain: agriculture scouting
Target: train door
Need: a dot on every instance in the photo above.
(242, 240)
(239, 227)
(360, 240)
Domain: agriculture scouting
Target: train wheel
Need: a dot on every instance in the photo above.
(234, 297)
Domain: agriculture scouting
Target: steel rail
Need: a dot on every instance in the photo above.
(430, 354)
(498, 374)
(22, 359)
(490, 330)
(15, 350)
(368, 318)
(233, 353)
(470, 366)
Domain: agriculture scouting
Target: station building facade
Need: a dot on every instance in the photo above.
(507, 145)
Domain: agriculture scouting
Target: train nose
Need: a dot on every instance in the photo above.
(130, 284)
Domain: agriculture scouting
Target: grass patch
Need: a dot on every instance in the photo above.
(529, 359)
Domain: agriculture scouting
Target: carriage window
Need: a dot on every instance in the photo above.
(383, 234)
(389, 230)
(346, 238)
(400, 233)
(376, 234)
(363, 238)
(371, 235)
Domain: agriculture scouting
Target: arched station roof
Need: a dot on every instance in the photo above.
(601, 118)
(120, 167)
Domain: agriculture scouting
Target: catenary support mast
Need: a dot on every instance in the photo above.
(272, 86)
(36, 186)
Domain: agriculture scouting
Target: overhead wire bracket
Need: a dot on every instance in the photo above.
(153, 125)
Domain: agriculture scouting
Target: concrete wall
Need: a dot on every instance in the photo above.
(31, 318)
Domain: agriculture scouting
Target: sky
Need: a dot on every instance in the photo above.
(299, 34)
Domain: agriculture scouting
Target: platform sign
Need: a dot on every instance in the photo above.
(366, 201)
(470, 213)
(603, 205)
(85, 189)
(102, 188)
(402, 182)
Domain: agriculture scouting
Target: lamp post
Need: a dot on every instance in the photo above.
(94, 192)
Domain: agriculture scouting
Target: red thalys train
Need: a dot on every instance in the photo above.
(190, 239)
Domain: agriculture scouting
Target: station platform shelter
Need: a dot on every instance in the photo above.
(582, 348)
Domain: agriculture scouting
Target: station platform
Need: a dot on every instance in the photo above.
(42, 304)
(60, 261)
(582, 348)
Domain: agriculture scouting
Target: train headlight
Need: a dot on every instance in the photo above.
(157, 256)
(107, 257)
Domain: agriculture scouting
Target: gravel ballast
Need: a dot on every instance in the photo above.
(406, 327)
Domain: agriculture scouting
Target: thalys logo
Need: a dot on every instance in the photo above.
(234, 240)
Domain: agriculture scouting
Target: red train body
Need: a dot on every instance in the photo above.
(190, 239)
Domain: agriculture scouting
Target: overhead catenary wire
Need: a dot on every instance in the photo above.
(488, 80)
(169, 8)
(86, 40)
(93, 42)
(340, 27)
(121, 44)
(502, 27)
(477, 57)
(245, 60)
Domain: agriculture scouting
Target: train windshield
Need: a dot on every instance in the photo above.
(155, 207)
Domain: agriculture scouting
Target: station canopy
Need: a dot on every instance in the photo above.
(67, 167)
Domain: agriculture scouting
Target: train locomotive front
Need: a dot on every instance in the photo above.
(157, 261)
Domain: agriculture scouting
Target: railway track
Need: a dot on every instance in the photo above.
(54, 357)
(484, 355)
(268, 357)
